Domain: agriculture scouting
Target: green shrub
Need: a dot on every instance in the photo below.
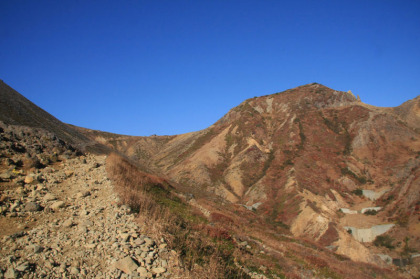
(371, 212)
(358, 192)
(385, 241)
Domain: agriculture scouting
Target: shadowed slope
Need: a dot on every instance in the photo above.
(15, 109)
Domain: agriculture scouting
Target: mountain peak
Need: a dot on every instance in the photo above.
(296, 100)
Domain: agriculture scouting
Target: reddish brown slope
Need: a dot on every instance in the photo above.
(295, 158)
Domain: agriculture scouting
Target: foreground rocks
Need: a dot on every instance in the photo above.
(71, 226)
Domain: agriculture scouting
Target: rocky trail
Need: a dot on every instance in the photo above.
(65, 222)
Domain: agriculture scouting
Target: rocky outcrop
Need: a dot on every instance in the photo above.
(373, 195)
(369, 234)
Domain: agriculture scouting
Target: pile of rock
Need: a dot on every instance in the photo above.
(68, 224)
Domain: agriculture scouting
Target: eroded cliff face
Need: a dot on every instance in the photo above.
(299, 156)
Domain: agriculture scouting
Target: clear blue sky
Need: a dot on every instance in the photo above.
(170, 67)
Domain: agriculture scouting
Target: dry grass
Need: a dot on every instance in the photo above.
(204, 251)
(208, 250)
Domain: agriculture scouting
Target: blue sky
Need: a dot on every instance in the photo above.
(171, 67)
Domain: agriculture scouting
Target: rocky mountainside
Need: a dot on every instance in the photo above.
(306, 183)
(312, 160)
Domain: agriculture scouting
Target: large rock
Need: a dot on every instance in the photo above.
(126, 265)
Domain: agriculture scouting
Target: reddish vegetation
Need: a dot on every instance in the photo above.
(215, 232)
(220, 218)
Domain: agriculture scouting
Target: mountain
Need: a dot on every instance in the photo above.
(306, 183)
(304, 159)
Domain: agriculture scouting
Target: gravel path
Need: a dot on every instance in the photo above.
(68, 225)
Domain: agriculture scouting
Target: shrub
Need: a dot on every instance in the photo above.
(358, 192)
(371, 212)
(384, 240)
(360, 179)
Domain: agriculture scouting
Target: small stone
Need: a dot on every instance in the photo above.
(74, 270)
(49, 197)
(164, 263)
(138, 242)
(57, 205)
(20, 190)
(158, 270)
(69, 173)
(68, 223)
(127, 265)
(86, 223)
(32, 207)
(5, 176)
(22, 267)
(142, 271)
(29, 179)
(37, 249)
(10, 273)
(124, 237)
